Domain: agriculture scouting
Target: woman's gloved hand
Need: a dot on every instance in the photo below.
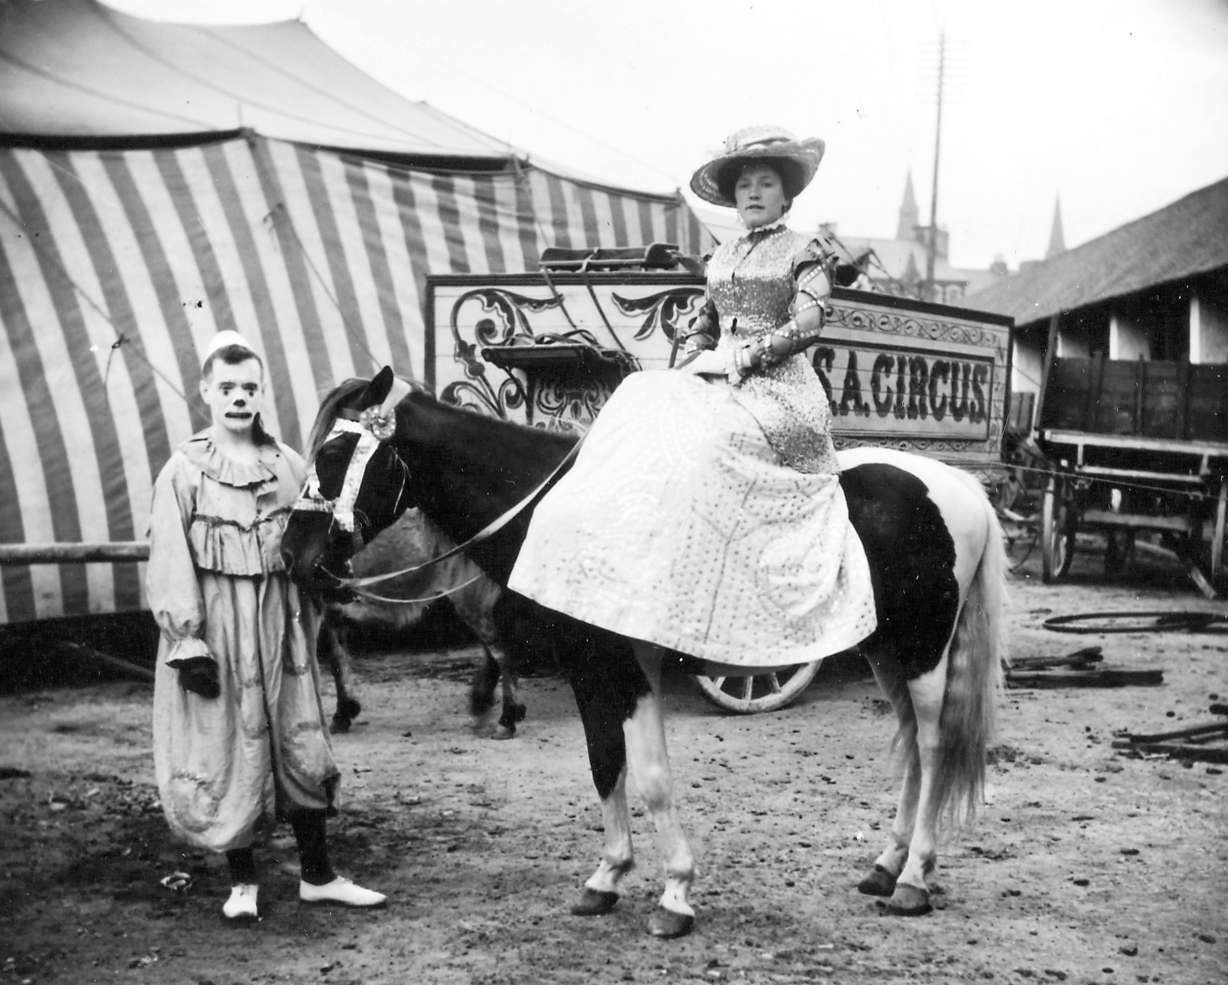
(708, 363)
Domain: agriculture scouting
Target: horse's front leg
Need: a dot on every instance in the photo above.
(602, 697)
(650, 769)
(601, 890)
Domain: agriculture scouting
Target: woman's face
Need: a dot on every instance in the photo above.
(759, 195)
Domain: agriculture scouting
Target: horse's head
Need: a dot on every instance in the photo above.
(357, 483)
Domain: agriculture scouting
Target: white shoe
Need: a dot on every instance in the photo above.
(242, 902)
(342, 891)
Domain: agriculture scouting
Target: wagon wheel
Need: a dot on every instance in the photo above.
(1059, 519)
(765, 691)
(1218, 532)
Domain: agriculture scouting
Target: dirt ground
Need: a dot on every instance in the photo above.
(1085, 865)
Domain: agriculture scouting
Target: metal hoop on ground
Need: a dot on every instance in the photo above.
(1137, 622)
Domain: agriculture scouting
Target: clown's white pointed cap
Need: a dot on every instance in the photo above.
(223, 339)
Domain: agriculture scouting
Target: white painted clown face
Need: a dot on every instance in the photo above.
(234, 393)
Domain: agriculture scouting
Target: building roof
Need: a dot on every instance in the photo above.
(898, 256)
(78, 69)
(1187, 238)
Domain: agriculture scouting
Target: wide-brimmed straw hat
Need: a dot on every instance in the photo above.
(797, 161)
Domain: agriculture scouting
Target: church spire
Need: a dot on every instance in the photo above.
(1057, 239)
(909, 216)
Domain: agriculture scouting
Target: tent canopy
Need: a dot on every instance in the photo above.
(159, 182)
(78, 69)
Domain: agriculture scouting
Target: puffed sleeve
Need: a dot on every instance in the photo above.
(171, 584)
(819, 250)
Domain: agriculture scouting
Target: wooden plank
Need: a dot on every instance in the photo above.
(1104, 677)
(1092, 396)
(1181, 427)
(1140, 387)
(1046, 370)
(1214, 728)
(1137, 521)
(1072, 436)
(1178, 751)
(89, 654)
(132, 550)
(1083, 658)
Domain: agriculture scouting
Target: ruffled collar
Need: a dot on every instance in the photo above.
(206, 456)
(763, 232)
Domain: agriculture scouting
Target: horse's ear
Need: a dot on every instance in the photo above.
(378, 389)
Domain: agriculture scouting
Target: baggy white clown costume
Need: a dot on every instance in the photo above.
(217, 588)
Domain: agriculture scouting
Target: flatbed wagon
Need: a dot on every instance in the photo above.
(1135, 446)
(548, 348)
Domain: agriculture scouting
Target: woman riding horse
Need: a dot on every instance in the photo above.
(732, 543)
(722, 528)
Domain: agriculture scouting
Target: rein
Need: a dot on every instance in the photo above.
(374, 427)
(488, 531)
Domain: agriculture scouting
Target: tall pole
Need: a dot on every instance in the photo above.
(932, 251)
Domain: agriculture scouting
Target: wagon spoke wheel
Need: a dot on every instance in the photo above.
(1219, 531)
(1057, 529)
(752, 693)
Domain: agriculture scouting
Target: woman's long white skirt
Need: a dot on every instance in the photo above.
(681, 525)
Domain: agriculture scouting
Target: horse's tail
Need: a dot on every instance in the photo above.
(974, 677)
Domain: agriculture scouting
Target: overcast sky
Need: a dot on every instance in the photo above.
(1116, 106)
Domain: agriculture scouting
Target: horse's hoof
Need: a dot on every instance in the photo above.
(340, 724)
(594, 903)
(880, 882)
(349, 708)
(908, 901)
(503, 732)
(667, 924)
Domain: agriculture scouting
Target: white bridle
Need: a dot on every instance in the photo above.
(342, 507)
(374, 427)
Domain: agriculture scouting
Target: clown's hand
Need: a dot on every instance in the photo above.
(198, 675)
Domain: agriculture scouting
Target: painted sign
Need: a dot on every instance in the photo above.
(887, 390)
(548, 352)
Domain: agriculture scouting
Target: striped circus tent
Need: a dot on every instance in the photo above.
(117, 265)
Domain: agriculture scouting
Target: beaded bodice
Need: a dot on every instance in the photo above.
(752, 278)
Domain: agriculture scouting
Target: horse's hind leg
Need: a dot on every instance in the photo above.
(331, 648)
(495, 670)
(649, 766)
(881, 880)
(911, 896)
(513, 708)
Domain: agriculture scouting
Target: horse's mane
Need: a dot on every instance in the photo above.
(343, 391)
(327, 413)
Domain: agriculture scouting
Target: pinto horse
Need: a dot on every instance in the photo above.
(937, 562)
